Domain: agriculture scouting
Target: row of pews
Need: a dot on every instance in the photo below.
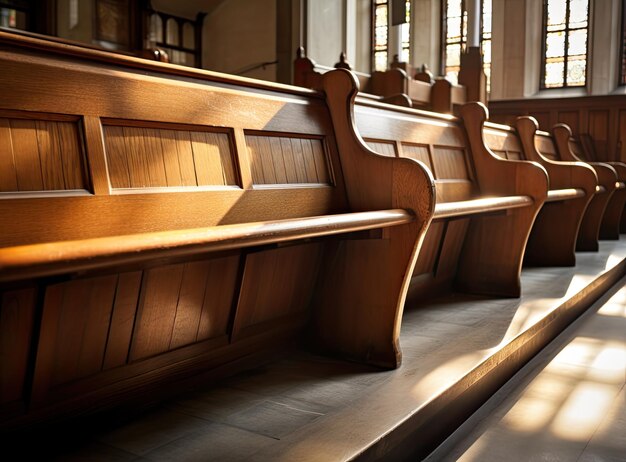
(162, 226)
(400, 84)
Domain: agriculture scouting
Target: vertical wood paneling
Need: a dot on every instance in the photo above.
(321, 164)
(570, 118)
(185, 157)
(51, 165)
(546, 147)
(117, 160)
(621, 142)
(189, 306)
(599, 131)
(417, 152)
(276, 283)
(96, 326)
(154, 156)
(26, 155)
(385, 148)
(157, 311)
(122, 319)
(8, 170)
(170, 156)
(222, 280)
(70, 152)
(158, 157)
(449, 163)
(84, 318)
(17, 309)
(286, 160)
(133, 150)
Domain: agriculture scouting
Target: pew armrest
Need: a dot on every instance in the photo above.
(48, 259)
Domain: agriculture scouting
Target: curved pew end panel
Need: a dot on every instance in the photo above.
(359, 308)
(589, 231)
(169, 226)
(495, 246)
(465, 247)
(570, 148)
(553, 239)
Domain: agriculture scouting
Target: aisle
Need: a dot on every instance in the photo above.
(567, 404)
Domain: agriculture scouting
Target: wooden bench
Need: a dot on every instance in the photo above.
(394, 86)
(540, 145)
(485, 205)
(572, 186)
(161, 223)
(570, 148)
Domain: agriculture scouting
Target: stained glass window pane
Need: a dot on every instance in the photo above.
(453, 55)
(566, 42)
(576, 72)
(578, 13)
(557, 12)
(555, 44)
(380, 61)
(577, 42)
(554, 74)
(453, 31)
(453, 9)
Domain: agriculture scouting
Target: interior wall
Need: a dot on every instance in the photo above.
(239, 35)
(325, 30)
(426, 34)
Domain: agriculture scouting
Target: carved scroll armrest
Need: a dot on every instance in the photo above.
(563, 175)
(498, 176)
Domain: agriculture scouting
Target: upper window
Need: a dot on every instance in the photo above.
(381, 58)
(455, 37)
(566, 26)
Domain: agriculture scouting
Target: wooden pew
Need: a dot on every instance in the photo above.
(479, 247)
(572, 186)
(540, 144)
(162, 223)
(571, 149)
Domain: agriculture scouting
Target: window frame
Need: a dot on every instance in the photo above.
(544, 37)
(373, 6)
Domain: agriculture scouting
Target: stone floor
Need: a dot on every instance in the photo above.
(309, 408)
(567, 404)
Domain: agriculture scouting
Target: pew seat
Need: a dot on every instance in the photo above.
(163, 226)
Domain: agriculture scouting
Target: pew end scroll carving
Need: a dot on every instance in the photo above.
(372, 313)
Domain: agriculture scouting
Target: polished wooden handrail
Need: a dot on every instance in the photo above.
(47, 259)
(563, 194)
(483, 205)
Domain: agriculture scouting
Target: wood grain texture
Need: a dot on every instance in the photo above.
(161, 157)
(569, 147)
(287, 160)
(17, 314)
(386, 148)
(545, 247)
(276, 283)
(40, 155)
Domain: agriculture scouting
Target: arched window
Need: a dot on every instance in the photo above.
(380, 41)
(454, 37)
(565, 38)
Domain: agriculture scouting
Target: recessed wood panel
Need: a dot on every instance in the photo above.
(449, 163)
(142, 157)
(287, 160)
(17, 309)
(386, 148)
(83, 324)
(276, 283)
(417, 152)
(184, 303)
(40, 155)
